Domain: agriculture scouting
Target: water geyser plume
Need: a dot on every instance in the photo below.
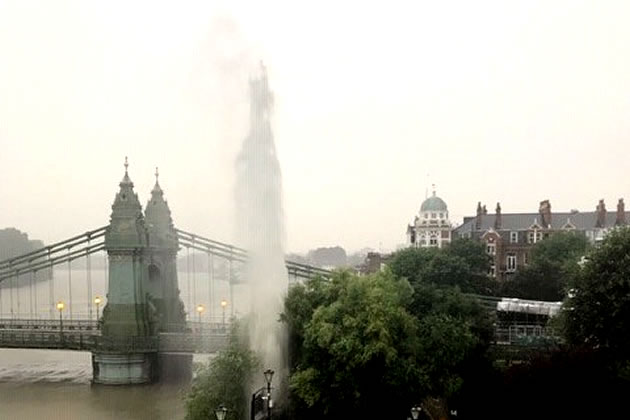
(260, 221)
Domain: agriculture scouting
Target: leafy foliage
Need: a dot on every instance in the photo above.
(598, 312)
(224, 380)
(553, 262)
(357, 342)
(463, 263)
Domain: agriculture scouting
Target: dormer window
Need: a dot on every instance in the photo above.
(426, 215)
(441, 215)
(533, 237)
(513, 237)
(433, 215)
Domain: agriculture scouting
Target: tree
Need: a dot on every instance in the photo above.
(224, 380)
(356, 348)
(463, 263)
(598, 311)
(356, 342)
(552, 263)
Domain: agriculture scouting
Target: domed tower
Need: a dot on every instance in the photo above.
(431, 227)
(162, 287)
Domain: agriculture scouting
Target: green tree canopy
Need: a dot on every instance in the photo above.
(598, 309)
(463, 263)
(553, 262)
(359, 351)
(224, 380)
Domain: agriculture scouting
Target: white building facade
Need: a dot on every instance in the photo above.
(431, 227)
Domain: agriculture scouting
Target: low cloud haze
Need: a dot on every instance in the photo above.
(373, 103)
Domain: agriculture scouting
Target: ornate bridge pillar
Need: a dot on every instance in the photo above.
(126, 354)
(162, 287)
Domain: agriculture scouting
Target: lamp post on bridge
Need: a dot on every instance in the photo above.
(60, 306)
(97, 302)
(223, 305)
(268, 377)
(200, 309)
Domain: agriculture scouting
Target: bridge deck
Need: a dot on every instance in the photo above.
(87, 337)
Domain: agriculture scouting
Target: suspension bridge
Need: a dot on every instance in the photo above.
(145, 326)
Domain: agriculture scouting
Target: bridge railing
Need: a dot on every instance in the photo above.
(164, 342)
(47, 324)
(47, 340)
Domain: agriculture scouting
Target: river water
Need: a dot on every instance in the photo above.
(53, 384)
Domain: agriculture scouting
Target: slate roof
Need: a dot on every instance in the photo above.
(522, 221)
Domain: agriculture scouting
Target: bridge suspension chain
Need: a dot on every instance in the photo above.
(70, 289)
(11, 294)
(190, 307)
(194, 276)
(51, 288)
(35, 302)
(210, 285)
(17, 292)
(88, 269)
(30, 295)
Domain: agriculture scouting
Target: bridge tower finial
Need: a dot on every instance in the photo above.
(157, 174)
(126, 165)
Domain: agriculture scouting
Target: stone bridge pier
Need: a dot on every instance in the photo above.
(143, 295)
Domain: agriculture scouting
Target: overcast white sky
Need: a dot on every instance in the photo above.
(492, 101)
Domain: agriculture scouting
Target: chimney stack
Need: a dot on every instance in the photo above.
(601, 214)
(621, 213)
(545, 213)
(497, 219)
(478, 218)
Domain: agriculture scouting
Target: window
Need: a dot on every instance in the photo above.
(492, 272)
(526, 258)
(433, 216)
(491, 249)
(426, 215)
(513, 237)
(433, 240)
(533, 237)
(441, 215)
(511, 263)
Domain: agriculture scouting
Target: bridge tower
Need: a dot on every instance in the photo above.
(162, 286)
(128, 319)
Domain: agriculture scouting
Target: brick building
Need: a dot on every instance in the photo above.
(510, 236)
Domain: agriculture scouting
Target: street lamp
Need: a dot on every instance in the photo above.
(97, 302)
(268, 377)
(60, 307)
(223, 305)
(415, 412)
(220, 412)
(200, 309)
